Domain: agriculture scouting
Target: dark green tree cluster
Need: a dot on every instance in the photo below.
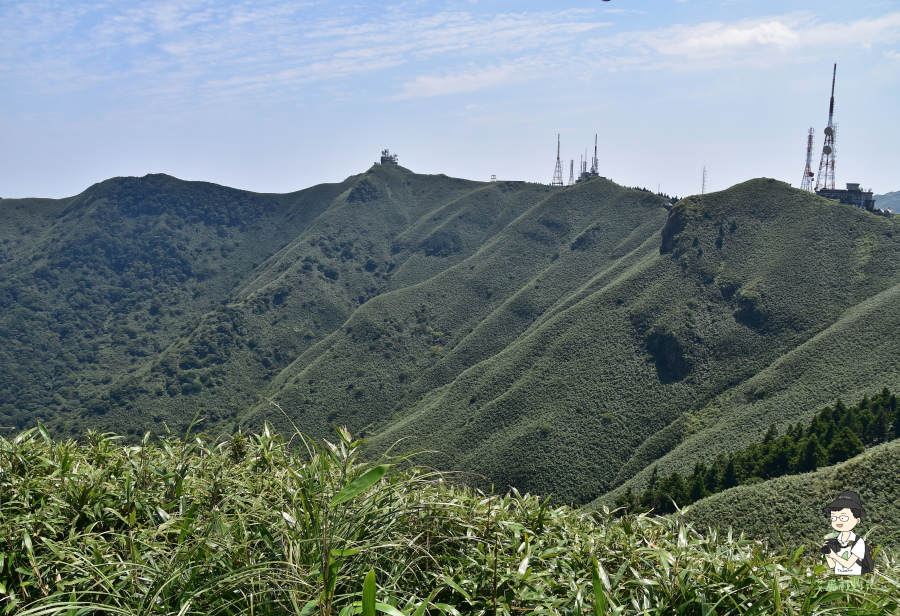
(834, 435)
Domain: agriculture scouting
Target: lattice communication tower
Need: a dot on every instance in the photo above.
(825, 179)
(808, 175)
(557, 174)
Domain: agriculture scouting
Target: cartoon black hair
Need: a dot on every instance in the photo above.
(846, 500)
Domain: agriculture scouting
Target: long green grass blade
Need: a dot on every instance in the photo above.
(599, 594)
(360, 484)
(368, 595)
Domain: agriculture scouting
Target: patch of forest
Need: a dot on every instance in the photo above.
(835, 435)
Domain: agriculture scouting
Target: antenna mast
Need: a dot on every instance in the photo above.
(825, 179)
(808, 174)
(557, 174)
(703, 187)
(571, 171)
(595, 165)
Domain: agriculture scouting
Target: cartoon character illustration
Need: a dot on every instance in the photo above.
(846, 552)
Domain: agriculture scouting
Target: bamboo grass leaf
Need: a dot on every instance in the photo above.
(368, 594)
(458, 589)
(385, 608)
(599, 594)
(420, 611)
(344, 552)
(360, 484)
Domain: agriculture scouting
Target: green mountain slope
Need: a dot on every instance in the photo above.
(796, 502)
(557, 340)
(745, 276)
(888, 201)
(94, 286)
(822, 285)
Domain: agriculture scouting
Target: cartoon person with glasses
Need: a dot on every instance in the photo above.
(847, 553)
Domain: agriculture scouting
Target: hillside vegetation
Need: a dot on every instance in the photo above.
(790, 508)
(257, 525)
(834, 435)
(561, 341)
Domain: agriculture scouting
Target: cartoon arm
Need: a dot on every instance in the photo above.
(844, 562)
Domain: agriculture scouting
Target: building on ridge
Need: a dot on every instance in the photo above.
(387, 158)
(593, 172)
(853, 195)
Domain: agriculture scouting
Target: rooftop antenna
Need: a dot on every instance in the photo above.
(557, 174)
(571, 171)
(808, 174)
(825, 179)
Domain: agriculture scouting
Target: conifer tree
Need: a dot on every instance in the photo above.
(813, 455)
(771, 434)
(844, 446)
(729, 477)
(777, 460)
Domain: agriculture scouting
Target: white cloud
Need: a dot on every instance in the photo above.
(761, 41)
(468, 81)
(202, 46)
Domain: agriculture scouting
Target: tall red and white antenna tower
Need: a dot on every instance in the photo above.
(825, 179)
(808, 174)
(557, 174)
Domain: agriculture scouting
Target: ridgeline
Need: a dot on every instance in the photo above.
(559, 340)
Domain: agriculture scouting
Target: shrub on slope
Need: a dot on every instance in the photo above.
(792, 506)
(189, 527)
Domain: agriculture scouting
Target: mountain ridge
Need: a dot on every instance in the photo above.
(560, 340)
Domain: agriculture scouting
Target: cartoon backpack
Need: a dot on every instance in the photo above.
(865, 563)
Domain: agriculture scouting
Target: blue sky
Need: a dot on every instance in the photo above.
(275, 96)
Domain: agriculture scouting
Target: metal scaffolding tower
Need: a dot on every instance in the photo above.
(825, 179)
(557, 174)
(808, 174)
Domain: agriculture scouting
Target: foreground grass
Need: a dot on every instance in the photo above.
(257, 525)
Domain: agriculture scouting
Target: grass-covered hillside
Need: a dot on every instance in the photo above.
(94, 287)
(793, 505)
(755, 305)
(554, 339)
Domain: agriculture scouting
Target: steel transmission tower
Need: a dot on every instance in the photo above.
(825, 179)
(808, 174)
(571, 171)
(557, 174)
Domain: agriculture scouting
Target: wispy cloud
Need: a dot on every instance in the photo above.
(206, 48)
(205, 52)
(763, 41)
(475, 78)
(624, 12)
